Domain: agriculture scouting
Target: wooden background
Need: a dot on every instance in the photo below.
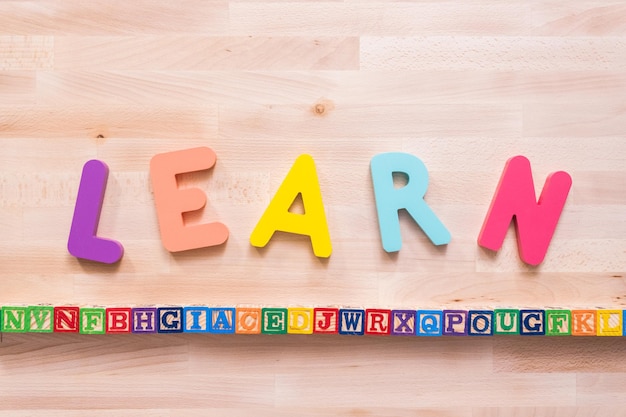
(463, 85)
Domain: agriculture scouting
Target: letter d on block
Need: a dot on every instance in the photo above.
(171, 202)
(83, 242)
(410, 197)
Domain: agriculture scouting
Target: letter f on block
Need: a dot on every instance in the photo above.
(83, 242)
(535, 221)
(410, 197)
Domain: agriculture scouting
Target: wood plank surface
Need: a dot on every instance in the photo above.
(463, 85)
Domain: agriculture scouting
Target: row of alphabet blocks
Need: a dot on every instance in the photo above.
(302, 320)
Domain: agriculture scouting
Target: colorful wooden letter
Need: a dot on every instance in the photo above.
(119, 320)
(83, 241)
(144, 320)
(66, 319)
(222, 320)
(584, 322)
(429, 323)
(609, 322)
(532, 322)
(403, 322)
(171, 202)
(274, 320)
(248, 320)
(326, 320)
(300, 320)
(39, 319)
(480, 323)
(535, 221)
(92, 321)
(506, 321)
(351, 321)
(558, 323)
(390, 199)
(14, 319)
(170, 319)
(301, 179)
(196, 319)
(377, 322)
(455, 323)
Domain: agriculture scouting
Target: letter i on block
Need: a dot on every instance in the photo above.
(609, 322)
(40, 319)
(248, 320)
(83, 242)
(14, 319)
(377, 322)
(196, 319)
(390, 199)
(92, 321)
(326, 320)
(535, 221)
(301, 179)
(66, 319)
(300, 320)
(558, 323)
(119, 320)
(172, 202)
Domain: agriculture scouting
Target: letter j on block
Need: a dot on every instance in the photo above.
(172, 202)
(390, 199)
(83, 242)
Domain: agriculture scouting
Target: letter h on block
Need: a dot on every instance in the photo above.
(144, 320)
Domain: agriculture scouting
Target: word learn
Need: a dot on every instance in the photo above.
(514, 199)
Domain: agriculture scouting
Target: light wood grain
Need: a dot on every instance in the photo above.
(463, 85)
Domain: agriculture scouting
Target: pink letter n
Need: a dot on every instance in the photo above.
(535, 220)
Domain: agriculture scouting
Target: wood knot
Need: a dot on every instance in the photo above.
(322, 107)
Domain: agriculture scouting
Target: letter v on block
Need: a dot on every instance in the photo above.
(535, 221)
(83, 242)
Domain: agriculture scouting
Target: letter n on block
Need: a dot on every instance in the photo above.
(429, 323)
(403, 322)
(326, 320)
(119, 320)
(609, 322)
(66, 319)
(377, 322)
(480, 323)
(351, 321)
(535, 220)
(532, 322)
(196, 319)
(14, 319)
(144, 320)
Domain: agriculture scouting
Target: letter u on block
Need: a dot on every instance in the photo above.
(535, 221)
(171, 202)
(410, 197)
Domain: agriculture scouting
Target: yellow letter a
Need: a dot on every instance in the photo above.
(301, 179)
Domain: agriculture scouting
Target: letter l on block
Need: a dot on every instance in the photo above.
(171, 202)
(535, 221)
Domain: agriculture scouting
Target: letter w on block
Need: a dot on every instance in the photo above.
(535, 220)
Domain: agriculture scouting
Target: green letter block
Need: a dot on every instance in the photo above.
(14, 319)
(505, 321)
(274, 320)
(39, 319)
(92, 321)
(558, 322)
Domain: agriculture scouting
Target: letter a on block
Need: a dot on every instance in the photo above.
(171, 202)
(535, 221)
(83, 242)
(410, 197)
(301, 179)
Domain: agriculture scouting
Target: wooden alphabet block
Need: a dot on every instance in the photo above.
(558, 323)
(455, 323)
(300, 320)
(480, 323)
(377, 322)
(66, 319)
(119, 320)
(274, 321)
(429, 323)
(222, 320)
(609, 322)
(248, 320)
(92, 321)
(196, 319)
(506, 321)
(403, 322)
(170, 319)
(351, 321)
(144, 320)
(14, 319)
(326, 320)
(584, 323)
(40, 319)
(532, 322)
